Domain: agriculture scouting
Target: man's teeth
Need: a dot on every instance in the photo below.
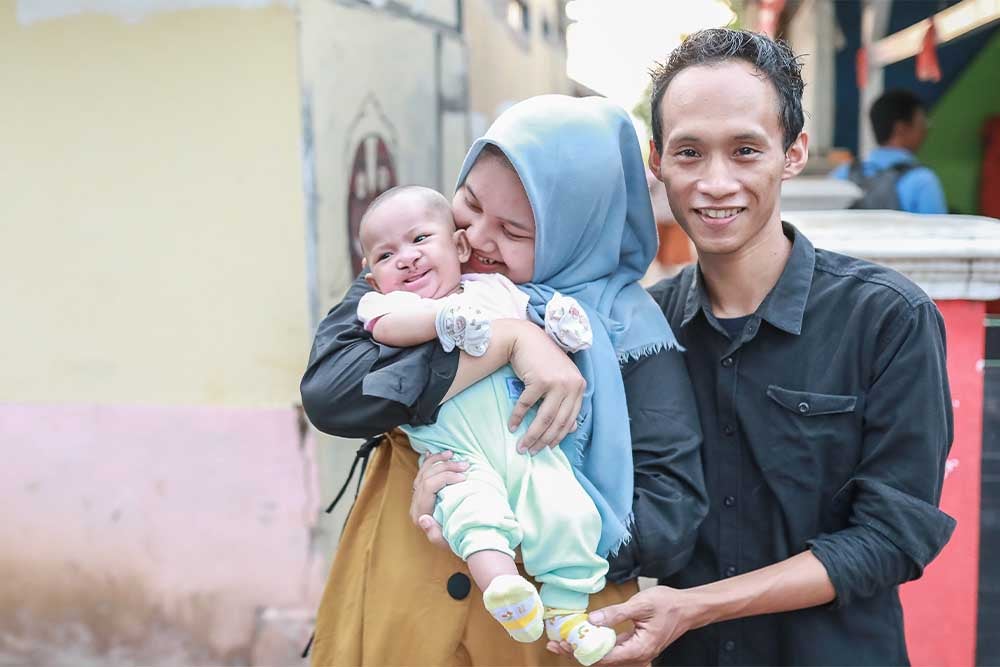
(720, 212)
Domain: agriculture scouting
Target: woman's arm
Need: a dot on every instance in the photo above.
(355, 387)
(670, 497)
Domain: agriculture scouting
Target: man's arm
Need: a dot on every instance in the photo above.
(670, 498)
(660, 614)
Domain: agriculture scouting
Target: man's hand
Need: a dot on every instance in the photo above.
(659, 617)
(550, 376)
(436, 473)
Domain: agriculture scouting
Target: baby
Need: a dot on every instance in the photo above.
(414, 253)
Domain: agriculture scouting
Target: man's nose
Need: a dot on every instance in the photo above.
(717, 181)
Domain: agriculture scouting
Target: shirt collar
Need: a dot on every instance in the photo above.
(785, 304)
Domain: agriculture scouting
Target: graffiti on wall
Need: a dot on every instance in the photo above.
(371, 149)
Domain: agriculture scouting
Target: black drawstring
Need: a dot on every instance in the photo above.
(364, 451)
(362, 455)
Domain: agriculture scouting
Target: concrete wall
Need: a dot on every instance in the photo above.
(157, 492)
(507, 65)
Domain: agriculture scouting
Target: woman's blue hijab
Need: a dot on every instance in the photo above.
(580, 164)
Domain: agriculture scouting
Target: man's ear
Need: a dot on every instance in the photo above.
(462, 245)
(796, 157)
(370, 279)
(654, 159)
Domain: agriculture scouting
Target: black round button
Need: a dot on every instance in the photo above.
(459, 586)
(729, 501)
(727, 362)
(803, 407)
(729, 645)
(729, 429)
(731, 571)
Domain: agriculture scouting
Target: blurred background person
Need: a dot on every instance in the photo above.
(890, 175)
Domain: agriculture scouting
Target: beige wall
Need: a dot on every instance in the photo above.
(151, 212)
(505, 66)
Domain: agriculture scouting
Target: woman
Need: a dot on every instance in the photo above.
(567, 201)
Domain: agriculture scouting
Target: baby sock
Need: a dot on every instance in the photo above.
(590, 642)
(513, 601)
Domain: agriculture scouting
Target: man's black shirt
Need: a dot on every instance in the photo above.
(827, 421)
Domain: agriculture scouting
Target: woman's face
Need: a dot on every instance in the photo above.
(495, 212)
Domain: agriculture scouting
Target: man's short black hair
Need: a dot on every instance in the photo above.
(891, 107)
(773, 59)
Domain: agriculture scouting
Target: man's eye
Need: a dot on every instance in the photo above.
(687, 152)
(746, 151)
(419, 237)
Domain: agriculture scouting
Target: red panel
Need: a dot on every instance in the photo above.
(940, 608)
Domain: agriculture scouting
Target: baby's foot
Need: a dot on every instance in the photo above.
(512, 600)
(590, 642)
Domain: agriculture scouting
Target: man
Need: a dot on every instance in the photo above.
(890, 175)
(821, 385)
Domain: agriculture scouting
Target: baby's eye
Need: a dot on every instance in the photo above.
(384, 255)
(419, 238)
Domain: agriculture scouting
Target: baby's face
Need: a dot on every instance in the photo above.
(413, 247)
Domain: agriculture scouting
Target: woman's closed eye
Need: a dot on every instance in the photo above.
(513, 235)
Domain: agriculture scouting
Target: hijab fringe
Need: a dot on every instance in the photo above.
(626, 538)
(648, 350)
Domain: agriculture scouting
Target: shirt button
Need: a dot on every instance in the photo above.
(729, 429)
(459, 586)
(730, 645)
(731, 571)
(803, 407)
(727, 362)
(729, 501)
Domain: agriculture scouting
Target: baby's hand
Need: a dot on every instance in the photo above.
(567, 323)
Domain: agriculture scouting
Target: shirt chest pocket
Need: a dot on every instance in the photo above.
(817, 436)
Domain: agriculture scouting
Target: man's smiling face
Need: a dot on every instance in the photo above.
(723, 158)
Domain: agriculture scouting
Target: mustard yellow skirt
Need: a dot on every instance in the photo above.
(393, 598)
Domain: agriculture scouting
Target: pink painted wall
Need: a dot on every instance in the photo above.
(940, 608)
(119, 519)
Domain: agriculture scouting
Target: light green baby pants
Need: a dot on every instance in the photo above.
(510, 499)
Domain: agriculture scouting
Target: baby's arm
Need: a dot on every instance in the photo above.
(399, 319)
(406, 328)
(566, 322)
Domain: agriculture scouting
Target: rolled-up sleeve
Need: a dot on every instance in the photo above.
(895, 526)
(670, 500)
(355, 387)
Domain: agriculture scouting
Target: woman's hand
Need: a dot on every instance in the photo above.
(550, 376)
(436, 473)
